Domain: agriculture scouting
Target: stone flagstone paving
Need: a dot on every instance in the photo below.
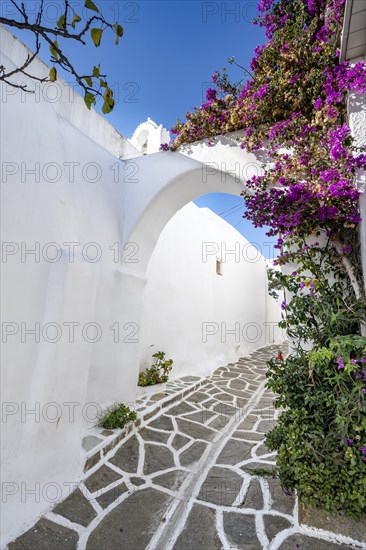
(196, 476)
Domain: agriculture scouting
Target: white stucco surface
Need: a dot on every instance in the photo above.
(42, 449)
(148, 137)
(357, 121)
(102, 258)
(79, 227)
(201, 319)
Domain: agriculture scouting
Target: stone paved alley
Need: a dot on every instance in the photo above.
(196, 475)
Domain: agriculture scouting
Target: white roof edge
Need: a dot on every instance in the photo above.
(346, 27)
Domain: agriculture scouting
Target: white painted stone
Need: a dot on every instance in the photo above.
(79, 192)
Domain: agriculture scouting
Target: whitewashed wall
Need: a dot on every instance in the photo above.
(201, 319)
(47, 376)
(72, 309)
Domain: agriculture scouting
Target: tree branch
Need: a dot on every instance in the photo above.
(63, 29)
(67, 66)
(41, 29)
(17, 7)
(28, 61)
(348, 268)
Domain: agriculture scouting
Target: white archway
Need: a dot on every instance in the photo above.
(166, 183)
(162, 183)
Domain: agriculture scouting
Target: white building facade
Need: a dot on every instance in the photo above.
(105, 260)
(102, 258)
(353, 49)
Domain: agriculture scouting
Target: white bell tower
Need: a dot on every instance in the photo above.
(148, 137)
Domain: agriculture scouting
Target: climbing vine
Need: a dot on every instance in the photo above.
(292, 107)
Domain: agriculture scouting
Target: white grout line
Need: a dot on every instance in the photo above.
(267, 499)
(166, 535)
(242, 493)
(61, 520)
(261, 533)
(92, 497)
(221, 532)
(282, 536)
(141, 455)
(243, 511)
(183, 499)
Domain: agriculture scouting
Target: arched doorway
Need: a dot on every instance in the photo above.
(163, 183)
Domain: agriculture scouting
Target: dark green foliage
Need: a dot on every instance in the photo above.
(158, 372)
(117, 417)
(321, 435)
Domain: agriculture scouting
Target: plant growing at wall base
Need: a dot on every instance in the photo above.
(159, 371)
(320, 437)
(117, 417)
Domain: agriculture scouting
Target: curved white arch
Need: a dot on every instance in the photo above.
(165, 182)
(157, 187)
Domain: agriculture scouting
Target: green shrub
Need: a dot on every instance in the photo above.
(321, 434)
(117, 417)
(158, 372)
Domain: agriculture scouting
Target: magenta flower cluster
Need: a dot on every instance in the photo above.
(313, 186)
(333, 200)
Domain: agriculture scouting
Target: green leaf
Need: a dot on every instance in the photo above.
(103, 83)
(96, 35)
(89, 100)
(88, 80)
(61, 22)
(108, 104)
(91, 6)
(107, 108)
(119, 32)
(118, 29)
(53, 50)
(75, 20)
(96, 71)
(108, 93)
(53, 74)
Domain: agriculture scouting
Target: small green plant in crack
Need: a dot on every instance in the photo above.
(116, 417)
(159, 371)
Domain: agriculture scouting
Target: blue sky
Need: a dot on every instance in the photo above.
(164, 63)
